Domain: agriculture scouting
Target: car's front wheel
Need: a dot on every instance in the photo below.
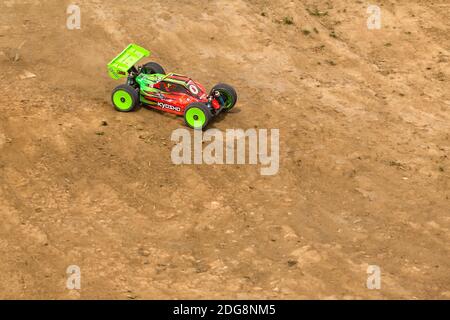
(227, 95)
(197, 115)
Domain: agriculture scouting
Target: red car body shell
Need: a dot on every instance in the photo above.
(175, 93)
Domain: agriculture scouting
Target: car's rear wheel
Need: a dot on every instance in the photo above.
(197, 115)
(227, 94)
(153, 68)
(125, 98)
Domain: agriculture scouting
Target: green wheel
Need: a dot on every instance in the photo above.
(197, 116)
(125, 98)
(227, 94)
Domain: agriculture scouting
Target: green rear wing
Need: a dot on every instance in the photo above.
(119, 66)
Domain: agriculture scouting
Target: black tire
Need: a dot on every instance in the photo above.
(125, 98)
(152, 68)
(228, 93)
(192, 113)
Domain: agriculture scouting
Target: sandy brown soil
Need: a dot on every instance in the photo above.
(364, 119)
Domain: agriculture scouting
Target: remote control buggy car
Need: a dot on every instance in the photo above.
(151, 86)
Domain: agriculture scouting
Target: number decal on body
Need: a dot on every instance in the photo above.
(193, 89)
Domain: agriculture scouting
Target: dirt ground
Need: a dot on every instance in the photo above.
(364, 179)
